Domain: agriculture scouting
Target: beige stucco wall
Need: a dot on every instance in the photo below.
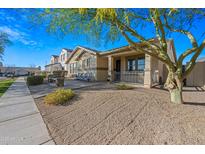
(65, 53)
(63, 58)
(163, 72)
(53, 67)
(158, 70)
(155, 70)
(197, 76)
(102, 68)
(54, 60)
(147, 72)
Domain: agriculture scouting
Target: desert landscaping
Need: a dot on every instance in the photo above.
(105, 115)
(102, 76)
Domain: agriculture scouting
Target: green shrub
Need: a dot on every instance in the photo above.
(34, 80)
(43, 75)
(59, 96)
(124, 87)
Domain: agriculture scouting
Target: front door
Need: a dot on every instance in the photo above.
(118, 69)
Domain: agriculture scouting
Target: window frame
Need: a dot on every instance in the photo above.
(133, 64)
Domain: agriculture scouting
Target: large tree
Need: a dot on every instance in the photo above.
(132, 25)
(4, 40)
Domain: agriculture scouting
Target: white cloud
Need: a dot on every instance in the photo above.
(16, 35)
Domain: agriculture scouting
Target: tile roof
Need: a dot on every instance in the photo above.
(68, 50)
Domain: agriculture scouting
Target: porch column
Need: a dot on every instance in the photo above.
(111, 68)
(147, 71)
(123, 64)
(123, 68)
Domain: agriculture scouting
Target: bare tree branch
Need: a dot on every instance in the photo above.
(143, 50)
(187, 33)
(160, 34)
(192, 62)
(135, 34)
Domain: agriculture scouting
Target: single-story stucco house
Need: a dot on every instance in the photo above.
(120, 64)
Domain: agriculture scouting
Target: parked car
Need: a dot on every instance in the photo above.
(9, 75)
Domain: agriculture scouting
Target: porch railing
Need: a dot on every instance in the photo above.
(129, 76)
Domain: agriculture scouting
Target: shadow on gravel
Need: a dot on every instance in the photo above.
(194, 103)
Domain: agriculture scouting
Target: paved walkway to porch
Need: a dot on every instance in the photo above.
(20, 120)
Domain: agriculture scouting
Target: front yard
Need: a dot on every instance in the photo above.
(4, 85)
(141, 116)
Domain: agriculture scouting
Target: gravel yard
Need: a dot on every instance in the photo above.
(141, 116)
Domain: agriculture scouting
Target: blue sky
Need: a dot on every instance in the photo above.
(32, 45)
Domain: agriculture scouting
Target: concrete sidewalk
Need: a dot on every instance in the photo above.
(20, 120)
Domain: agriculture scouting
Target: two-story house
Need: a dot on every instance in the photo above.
(57, 62)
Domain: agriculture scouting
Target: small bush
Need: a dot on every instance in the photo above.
(59, 96)
(34, 80)
(124, 87)
(43, 75)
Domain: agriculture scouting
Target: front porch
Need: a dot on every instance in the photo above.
(129, 76)
(131, 67)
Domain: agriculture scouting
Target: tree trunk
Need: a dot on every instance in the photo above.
(176, 96)
(174, 85)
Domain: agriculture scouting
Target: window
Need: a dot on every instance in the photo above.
(141, 64)
(131, 65)
(75, 67)
(62, 57)
(88, 63)
(83, 64)
(71, 68)
(136, 64)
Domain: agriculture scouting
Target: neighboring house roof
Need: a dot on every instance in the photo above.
(68, 50)
(52, 64)
(201, 59)
(84, 49)
(115, 50)
(89, 49)
(55, 56)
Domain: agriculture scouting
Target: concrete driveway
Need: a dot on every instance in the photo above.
(44, 89)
